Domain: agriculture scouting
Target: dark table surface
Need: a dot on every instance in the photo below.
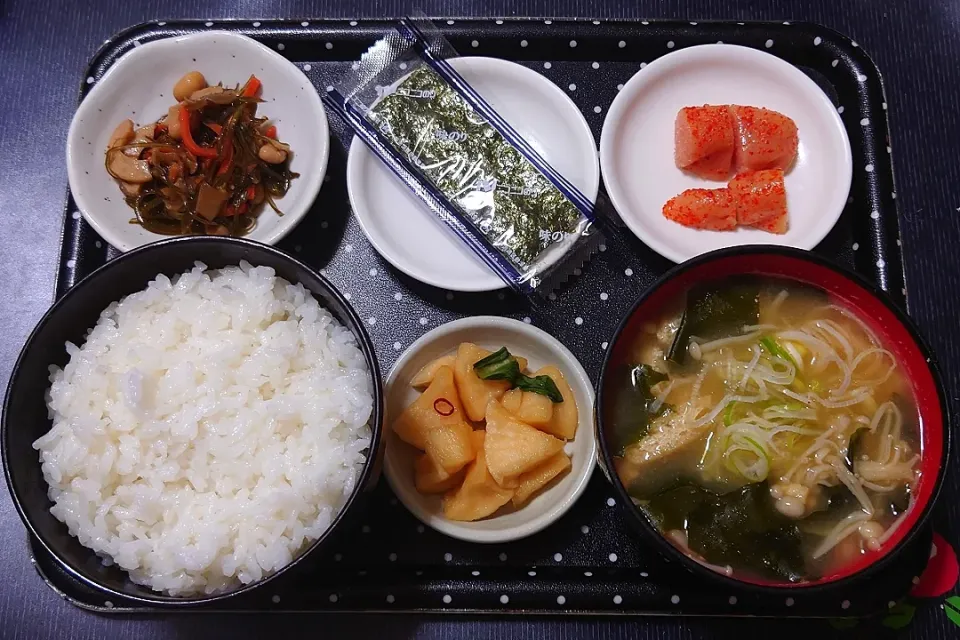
(45, 46)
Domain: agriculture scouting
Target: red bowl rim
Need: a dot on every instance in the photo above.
(910, 340)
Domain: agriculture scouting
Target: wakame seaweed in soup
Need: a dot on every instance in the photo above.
(513, 205)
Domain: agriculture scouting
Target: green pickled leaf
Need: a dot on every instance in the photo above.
(544, 385)
(499, 365)
(714, 310)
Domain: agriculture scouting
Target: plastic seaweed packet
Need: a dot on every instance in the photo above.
(472, 170)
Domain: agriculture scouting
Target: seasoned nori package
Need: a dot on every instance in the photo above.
(471, 169)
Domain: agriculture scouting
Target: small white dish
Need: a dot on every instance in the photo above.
(540, 348)
(139, 86)
(637, 147)
(407, 234)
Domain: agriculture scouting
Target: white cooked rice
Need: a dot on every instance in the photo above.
(210, 427)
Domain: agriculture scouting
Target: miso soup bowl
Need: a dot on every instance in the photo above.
(895, 330)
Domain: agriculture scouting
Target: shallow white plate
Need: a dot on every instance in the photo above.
(540, 348)
(636, 146)
(407, 234)
(139, 86)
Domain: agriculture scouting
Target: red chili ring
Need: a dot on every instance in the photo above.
(443, 406)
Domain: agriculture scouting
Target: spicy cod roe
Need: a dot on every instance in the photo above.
(704, 140)
(712, 140)
(761, 199)
(756, 199)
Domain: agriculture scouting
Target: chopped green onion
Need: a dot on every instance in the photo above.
(757, 445)
(728, 414)
(772, 347)
(756, 472)
(791, 439)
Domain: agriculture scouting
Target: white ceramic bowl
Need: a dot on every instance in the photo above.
(140, 86)
(407, 234)
(540, 348)
(636, 146)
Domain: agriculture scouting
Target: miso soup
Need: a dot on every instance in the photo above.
(765, 429)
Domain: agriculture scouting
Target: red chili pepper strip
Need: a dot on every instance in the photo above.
(231, 210)
(251, 192)
(251, 88)
(271, 132)
(187, 136)
(213, 126)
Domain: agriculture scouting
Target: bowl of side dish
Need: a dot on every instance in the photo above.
(772, 421)
(251, 170)
(488, 429)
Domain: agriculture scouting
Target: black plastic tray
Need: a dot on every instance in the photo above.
(393, 563)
